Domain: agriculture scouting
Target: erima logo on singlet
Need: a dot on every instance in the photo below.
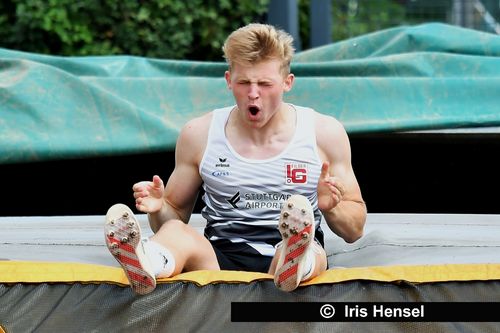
(222, 163)
(295, 173)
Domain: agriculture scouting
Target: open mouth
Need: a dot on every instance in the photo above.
(253, 110)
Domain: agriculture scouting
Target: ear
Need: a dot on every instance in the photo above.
(227, 76)
(288, 84)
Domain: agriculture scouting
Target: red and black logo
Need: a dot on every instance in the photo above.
(295, 173)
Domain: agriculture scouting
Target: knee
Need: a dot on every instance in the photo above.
(178, 230)
(172, 226)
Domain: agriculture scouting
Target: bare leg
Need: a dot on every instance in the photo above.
(191, 250)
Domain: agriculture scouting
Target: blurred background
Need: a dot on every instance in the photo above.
(195, 30)
(410, 172)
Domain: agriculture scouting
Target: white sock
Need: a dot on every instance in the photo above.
(310, 263)
(162, 260)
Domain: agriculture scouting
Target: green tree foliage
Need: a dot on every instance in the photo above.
(355, 17)
(169, 29)
(352, 18)
(179, 29)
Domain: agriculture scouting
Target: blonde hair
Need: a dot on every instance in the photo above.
(257, 42)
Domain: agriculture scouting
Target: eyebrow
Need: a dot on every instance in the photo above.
(257, 81)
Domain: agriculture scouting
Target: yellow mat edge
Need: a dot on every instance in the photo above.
(67, 272)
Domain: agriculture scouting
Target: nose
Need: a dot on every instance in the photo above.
(253, 91)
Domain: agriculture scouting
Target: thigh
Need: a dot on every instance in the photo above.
(191, 250)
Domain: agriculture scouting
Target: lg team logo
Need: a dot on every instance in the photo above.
(295, 173)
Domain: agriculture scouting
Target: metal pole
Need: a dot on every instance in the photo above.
(284, 14)
(457, 16)
(320, 21)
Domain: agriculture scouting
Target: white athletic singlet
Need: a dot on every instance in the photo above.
(243, 197)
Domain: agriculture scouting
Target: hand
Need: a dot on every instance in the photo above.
(330, 189)
(149, 195)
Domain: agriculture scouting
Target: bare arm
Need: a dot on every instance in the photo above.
(177, 199)
(339, 194)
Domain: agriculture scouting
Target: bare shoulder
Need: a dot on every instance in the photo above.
(193, 136)
(197, 125)
(329, 130)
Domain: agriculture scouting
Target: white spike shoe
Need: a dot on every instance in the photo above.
(122, 233)
(296, 226)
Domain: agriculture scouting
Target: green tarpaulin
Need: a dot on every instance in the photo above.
(421, 77)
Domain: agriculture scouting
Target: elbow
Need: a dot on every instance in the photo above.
(354, 236)
(357, 231)
(359, 225)
(351, 228)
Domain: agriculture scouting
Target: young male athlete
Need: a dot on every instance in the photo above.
(269, 170)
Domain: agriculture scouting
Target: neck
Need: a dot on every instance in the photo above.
(265, 141)
(280, 122)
